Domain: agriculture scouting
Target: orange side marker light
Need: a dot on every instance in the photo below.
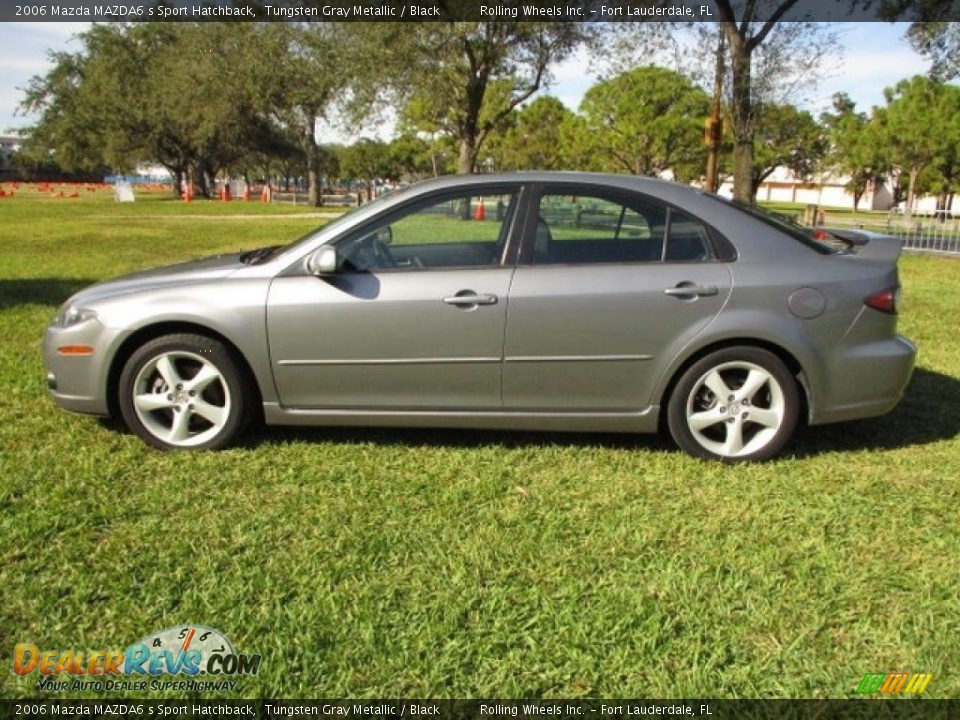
(75, 350)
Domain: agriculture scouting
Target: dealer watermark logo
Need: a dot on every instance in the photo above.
(894, 683)
(187, 657)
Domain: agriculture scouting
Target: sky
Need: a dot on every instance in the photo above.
(869, 57)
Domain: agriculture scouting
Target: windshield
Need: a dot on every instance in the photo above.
(264, 254)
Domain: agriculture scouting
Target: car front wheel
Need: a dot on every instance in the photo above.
(183, 391)
(736, 404)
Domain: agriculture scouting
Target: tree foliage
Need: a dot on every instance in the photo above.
(766, 63)
(786, 137)
(196, 97)
(161, 92)
(914, 107)
(300, 73)
(855, 147)
(940, 43)
(534, 140)
(644, 122)
(465, 78)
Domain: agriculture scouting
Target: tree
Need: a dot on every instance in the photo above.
(91, 101)
(467, 77)
(417, 120)
(786, 137)
(645, 121)
(204, 89)
(943, 176)
(856, 148)
(767, 62)
(576, 147)
(196, 97)
(141, 92)
(411, 157)
(534, 140)
(940, 42)
(366, 160)
(914, 107)
(302, 72)
(743, 38)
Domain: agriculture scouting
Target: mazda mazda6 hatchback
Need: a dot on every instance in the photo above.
(534, 301)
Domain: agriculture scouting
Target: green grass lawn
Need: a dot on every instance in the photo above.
(371, 563)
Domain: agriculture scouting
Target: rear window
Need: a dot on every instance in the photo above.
(817, 240)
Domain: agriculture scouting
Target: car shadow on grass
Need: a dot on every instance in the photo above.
(262, 436)
(455, 438)
(929, 412)
(39, 291)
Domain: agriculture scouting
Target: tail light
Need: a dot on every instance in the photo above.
(885, 301)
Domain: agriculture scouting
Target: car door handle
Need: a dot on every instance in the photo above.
(691, 290)
(471, 299)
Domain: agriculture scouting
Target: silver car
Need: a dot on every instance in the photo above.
(535, 301)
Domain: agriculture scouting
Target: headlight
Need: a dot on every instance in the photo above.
(68, 316)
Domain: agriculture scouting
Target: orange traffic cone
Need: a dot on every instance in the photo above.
(481, 213)
(265, 194)
(246, 195)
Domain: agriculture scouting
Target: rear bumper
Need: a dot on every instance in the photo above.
(866, 381)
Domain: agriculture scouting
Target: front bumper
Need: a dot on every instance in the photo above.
(77, 382)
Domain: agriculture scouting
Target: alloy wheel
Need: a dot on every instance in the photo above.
(181, 398)
(735, 409)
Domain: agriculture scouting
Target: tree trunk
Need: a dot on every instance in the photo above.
(908, 212)
(202, 176)
(712, 183)
(313, 171)
(742, 120)
(467, 159)
(743, 189)
(177, 174)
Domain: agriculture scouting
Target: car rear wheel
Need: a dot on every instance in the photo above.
(736, 404)
(184, 391)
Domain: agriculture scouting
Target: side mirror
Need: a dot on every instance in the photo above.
(323, 261)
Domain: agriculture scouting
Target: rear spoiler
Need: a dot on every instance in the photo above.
(870, 245)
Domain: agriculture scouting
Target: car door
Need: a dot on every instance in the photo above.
(609, 288)
(414, 316)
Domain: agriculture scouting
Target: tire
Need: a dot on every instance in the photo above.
(184, 392)
(737, 404)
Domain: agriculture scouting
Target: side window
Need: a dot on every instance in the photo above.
(689, 240)
(591, 229)
(468, 230)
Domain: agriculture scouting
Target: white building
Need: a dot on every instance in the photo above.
(827, 190)
(9, 146)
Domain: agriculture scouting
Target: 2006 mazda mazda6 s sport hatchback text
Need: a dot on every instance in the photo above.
(546, 301)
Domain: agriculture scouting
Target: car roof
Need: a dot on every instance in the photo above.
(632, 182)
(668, 190)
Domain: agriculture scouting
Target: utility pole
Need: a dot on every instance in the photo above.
(714, 124)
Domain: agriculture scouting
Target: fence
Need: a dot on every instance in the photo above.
(301, 198)
(920, 234)
(931, 238)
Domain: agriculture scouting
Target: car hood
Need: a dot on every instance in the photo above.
(208, 268)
